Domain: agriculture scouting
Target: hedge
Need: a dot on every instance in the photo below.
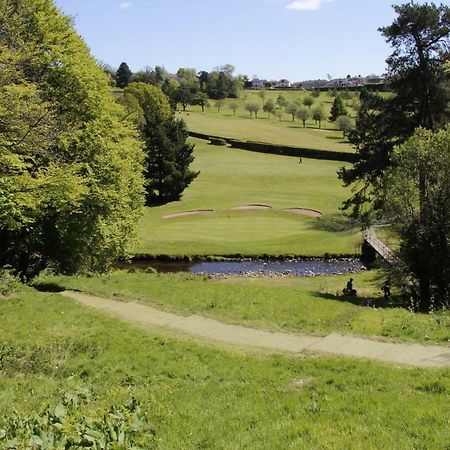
(284, 150)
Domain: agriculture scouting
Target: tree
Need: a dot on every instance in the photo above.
(184, 96)
(71, 185)
(338, 108)
(292, 110)
(218, 104)
(417, 204)
(168, 161)
(200, 99)
(269, 107)
(318, 115)
(123, 75)
(344, 124)
(282, 101)
(168, 156)
(308, 101)
(279, 114)
(252, 108)
(303, 114)
(316, 93)
(262, 94)
(234, 106)
(417, 78)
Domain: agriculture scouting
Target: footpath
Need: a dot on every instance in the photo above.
(415, 355)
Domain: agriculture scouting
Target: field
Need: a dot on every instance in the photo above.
(56, 352)
(312, 305)
(273, 130)
(230, 178)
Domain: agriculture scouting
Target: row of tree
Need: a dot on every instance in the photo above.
(187, 86)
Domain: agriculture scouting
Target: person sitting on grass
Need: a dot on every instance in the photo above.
(348, 290)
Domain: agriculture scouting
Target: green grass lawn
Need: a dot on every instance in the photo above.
(201, 396)
(233, 177)
(311, 305)
(265, 128)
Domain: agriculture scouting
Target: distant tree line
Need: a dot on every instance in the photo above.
(186, 87)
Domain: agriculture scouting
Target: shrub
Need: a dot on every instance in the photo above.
(217, 141)
(9, 283)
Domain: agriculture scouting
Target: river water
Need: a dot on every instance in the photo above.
(299, 268)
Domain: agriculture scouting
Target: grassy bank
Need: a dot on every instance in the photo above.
(197, 396)
(298, 304)
(230, 178)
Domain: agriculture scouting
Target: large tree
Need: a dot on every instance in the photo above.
(338, 108)
(168, 155)
(71, 186)
(168, 162)
(420, 97)
(123, 75)
(417, 203)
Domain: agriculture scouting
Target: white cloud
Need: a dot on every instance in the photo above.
(125, 5)
(306, 5)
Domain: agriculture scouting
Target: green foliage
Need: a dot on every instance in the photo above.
(338, 108)
(149, 104)
(9, 283)
(234, 106)
(344, 124)
(418, 205)
(123, 75)
(292, 110)
(168, 160)
(282, 101)
(303, 114)
(168, 155)
(217, 141)
(200, 99)
(252, 108)
(218, 104)
(318, 115)
(308, 101)
(420, 39)
(269, 107)
(70, 160)
(66, 426)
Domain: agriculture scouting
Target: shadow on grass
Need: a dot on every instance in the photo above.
(374, 302)
(335, 223)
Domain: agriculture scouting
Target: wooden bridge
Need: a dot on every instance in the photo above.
(370, 239)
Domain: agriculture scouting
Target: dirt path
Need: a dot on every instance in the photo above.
(409, 354)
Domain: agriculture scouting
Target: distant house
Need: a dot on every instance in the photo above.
(280, 84)
(256, 83)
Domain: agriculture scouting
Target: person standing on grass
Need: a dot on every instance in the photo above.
(386, 288)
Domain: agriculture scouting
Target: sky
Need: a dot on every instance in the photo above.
(272, 39)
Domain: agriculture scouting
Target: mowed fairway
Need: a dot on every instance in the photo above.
(264, 130)
(270, 129)
(230, 178)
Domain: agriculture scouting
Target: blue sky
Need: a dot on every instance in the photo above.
(273, 39)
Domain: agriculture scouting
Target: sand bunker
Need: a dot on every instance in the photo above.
(250, 207)
(304, 212)
(197, 212)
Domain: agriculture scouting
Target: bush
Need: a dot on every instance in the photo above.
(217, 141)
(9, 283)
(66, 426)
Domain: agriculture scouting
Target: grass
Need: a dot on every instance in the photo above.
(265, 129)
(198, 396)
(232, 177)
(312, 305)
